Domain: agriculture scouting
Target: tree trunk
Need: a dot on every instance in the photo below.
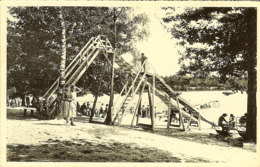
(63, 50)
(252, 83)
(98, 90)
(108, 120)
(62, 61)
(251, 101)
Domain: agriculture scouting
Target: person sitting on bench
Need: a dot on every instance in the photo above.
(232, 121)
(223, 122)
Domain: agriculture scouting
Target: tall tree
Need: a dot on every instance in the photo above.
(35, 41)
(63, 50)
(220, 40)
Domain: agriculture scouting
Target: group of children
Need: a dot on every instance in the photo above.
(14, 102)
(228, 125)
(85, 109)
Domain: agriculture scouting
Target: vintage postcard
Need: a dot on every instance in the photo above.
(103, 83)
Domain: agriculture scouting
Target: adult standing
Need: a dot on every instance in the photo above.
(20, 101)
(83, 109)
(10, 102)
(172, 116)
(143, 58)
(143, 111)
(59, 103)
(16, 102)
(34, 101)
(13, 102)
(27, 99)
(66, 104)
(88, 109)
(73, 105)
(101, 111)
(106, 111)
(231, 121)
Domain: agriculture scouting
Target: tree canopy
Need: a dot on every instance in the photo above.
(216, 39)
(221, 40)
(34, 41)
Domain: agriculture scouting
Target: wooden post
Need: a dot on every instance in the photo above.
(169, 113)
(98, 90)
(47, 109)
(181, 118)
(138, 112)
(136, 109)
(199, 121)
(24, 111)
(189, 121)
(108, 120)
(138, 105)
(151, 106)
(153, 98)
(31, 113)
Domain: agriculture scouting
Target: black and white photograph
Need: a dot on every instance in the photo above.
(149, 82)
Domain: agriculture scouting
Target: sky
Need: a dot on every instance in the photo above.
(159, 48)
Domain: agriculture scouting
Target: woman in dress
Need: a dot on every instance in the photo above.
(66, 104)
(73, 105)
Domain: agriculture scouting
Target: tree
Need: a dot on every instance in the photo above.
(57, 34)
(31, 50)
(221, 40)
(35, 41)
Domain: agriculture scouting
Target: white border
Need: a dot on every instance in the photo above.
(3, 31)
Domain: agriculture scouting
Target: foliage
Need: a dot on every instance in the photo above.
(216, 40)
(221, 40)
(188, 83)
(34, 41)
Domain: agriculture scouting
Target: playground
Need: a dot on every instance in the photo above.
(157, 136)
(98, 106)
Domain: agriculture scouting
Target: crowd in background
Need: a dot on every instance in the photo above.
(19, 102)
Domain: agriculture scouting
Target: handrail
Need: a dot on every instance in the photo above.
(137, 75)
(137, 87)
(95, 43)
(79, 54)
(67, 67)
(79, 70)
(167, 86)
(85, 67)
(82, 55)
(120, 94)
(80, 66)
(51, 87)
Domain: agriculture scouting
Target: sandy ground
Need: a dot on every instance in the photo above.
(30, 139)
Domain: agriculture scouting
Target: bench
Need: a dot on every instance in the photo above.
(219, 130)
(33, 111)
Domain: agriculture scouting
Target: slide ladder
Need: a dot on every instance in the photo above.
(132, 91)
(86, 56)
(164, 87)
(164, 92)
(79, 65)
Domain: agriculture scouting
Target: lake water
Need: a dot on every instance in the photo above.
(235, 104)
